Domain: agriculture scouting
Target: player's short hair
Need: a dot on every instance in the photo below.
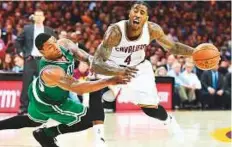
(41, 39)
(141, 3)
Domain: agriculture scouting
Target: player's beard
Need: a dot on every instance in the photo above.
(56, 58)
(59, 57)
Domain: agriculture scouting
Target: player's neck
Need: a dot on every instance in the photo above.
(131, 33)
(62, 59)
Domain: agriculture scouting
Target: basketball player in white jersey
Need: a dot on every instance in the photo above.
(124, 45)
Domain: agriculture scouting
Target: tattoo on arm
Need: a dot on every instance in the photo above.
(182, 49)
(81, 55)
(111, 39)
(78, 53)
(156, 32)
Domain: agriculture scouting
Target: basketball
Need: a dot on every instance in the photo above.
(206, 56)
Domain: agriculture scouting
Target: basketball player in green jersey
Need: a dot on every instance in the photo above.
(48, 93)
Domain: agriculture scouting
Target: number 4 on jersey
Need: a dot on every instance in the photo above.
(128, 59)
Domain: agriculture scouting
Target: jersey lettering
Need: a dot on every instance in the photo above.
(70, 69)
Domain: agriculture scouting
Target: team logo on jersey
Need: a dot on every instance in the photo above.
(70, 69)
(222, 134)
(132, 48)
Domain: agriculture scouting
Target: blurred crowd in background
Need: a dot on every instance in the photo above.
(191, 23)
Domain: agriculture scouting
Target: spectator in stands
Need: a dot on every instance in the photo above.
(172, 34)
(154, 59)
(180, 83)
(8, 35)
(1, 64)
(82, 71)
(63, 34)
(8, 63)
(2, 47)
(192, 82)
(25, 43)
(223, 67)
(228, 90)
(171, 59)
(18, 64)
(161, 71)
(181, 60)
(230, 67)
(212, 93)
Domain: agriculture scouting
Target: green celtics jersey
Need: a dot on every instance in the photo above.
(54, 94)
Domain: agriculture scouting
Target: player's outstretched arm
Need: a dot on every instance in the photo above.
(156, 33)
(55, 76)
(78, 53)
(111, 39)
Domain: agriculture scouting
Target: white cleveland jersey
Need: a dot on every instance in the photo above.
(129, 53)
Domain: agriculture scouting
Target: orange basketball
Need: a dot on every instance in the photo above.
(206, 56)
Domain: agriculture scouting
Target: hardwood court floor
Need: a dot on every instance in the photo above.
(134, 129)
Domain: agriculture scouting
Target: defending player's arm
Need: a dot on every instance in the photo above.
(111, 39)
(55, 76)
(156, 32)
(78, 53)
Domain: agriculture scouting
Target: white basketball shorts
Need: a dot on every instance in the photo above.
(141, 89)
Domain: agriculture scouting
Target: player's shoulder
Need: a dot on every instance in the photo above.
(154, 26)
(155, 30)
(51, 74)
(114, 29)
(52, 70)
(113, 35)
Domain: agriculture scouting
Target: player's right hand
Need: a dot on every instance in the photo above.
(129, 72)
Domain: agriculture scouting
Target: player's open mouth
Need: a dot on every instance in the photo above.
(136, 21)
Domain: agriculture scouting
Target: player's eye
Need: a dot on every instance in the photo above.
(49, 46)
(142, 12)
(136, 10)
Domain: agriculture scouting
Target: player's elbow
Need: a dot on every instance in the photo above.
(79, 88)
(173, 48)
(79, 91)
(96, 65)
